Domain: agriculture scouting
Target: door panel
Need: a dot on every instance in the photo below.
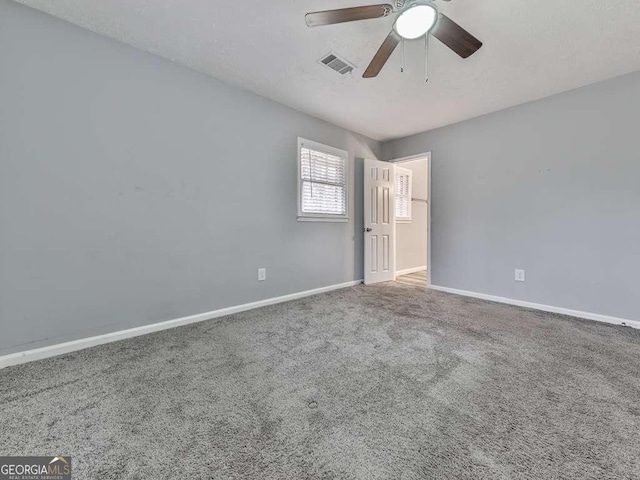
(380, 222)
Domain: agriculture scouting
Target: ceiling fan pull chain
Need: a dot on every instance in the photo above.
(426, 58)
(402, 62)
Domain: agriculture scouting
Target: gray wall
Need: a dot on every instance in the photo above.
(133, 190)
(411, 238)
(551, 186)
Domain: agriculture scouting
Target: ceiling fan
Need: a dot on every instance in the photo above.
(414, 19)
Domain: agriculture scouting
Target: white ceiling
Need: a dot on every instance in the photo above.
(532, 49)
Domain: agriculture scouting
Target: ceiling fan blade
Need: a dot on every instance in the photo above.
(329, 17)
(382, 55)
(455, 37)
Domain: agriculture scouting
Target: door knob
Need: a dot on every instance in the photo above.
(368, 229)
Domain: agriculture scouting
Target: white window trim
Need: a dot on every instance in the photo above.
(316, 217)
(406, 171)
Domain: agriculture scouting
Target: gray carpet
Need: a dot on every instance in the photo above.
(391, 381)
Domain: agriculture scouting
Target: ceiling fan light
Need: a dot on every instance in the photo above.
(415, 21)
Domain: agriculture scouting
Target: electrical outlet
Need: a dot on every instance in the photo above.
(519, 275)
(262, 274)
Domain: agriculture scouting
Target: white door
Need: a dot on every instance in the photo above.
(379, 222)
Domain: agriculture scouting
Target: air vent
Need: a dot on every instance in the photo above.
(334, 62)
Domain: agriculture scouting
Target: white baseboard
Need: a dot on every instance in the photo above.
(407, 271)
(80, 344)
(545, 308)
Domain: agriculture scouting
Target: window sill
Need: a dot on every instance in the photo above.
(323, 219)
(407, 220)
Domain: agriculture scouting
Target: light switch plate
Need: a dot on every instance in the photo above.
(519, 275)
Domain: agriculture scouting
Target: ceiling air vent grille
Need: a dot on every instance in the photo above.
(334, 62)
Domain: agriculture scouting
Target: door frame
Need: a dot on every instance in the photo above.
(427, 156)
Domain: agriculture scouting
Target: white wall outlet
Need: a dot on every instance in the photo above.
(519, 275)
(262, 274)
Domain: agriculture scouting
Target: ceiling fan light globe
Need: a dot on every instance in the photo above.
(415, 21)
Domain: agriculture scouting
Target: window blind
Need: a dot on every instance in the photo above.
(324, 178)
(403, 195)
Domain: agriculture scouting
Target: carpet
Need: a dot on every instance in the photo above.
(383, 382)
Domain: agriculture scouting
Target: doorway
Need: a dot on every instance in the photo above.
(412, 222)
(404, 233)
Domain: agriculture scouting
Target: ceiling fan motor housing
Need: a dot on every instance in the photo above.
(398, 5)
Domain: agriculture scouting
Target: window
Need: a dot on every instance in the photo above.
(403, 194)
(322, 182)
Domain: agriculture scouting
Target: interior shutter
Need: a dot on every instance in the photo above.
(324, 179)
(403, 194)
